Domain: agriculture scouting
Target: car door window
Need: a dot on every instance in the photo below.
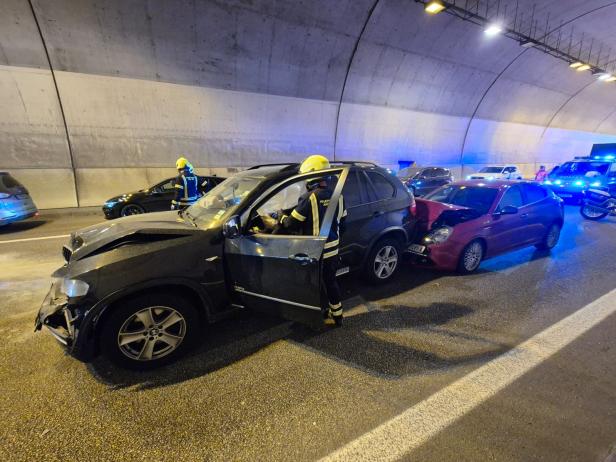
(168, 186)
(534, 193)
(440, 172)
(512, 197)
(352, 191)
(285, 199)
(381, 186)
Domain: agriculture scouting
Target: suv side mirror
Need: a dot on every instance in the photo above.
(231, 229)
(508, 210)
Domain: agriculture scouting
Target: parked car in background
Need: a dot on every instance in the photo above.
(466, 222)
(422, 180)
(497, 172)
(15, 201)
(154, 199)
(572, 178)
(141, 288)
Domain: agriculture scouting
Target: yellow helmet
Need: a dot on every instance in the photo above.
(313, 163)
(181, 163)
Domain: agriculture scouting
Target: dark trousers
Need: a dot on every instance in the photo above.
(334, 296)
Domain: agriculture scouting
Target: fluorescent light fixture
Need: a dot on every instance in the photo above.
(583, 67)
(611, 79)
(576, 64)
(493, 29)
(604, 76)
(434, 7)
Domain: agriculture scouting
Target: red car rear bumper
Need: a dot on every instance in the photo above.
(443, 256)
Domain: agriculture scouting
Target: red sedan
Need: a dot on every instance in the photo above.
(468, 221)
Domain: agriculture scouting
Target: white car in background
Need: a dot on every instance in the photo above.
(497, 172)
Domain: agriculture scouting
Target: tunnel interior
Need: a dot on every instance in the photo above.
(100, 97)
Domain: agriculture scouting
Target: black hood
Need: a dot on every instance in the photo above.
(144, 228)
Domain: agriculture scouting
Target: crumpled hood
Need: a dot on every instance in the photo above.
(431, 212)
(164, 224)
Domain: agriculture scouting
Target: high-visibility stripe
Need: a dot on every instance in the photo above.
(315, 215)
(185, 187)
(341, 210)
(333, 306)
(298, 216)
(329, 245)
(331, 253)
(179, 186)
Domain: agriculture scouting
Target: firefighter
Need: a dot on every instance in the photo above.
(307, 218)
(186, 185)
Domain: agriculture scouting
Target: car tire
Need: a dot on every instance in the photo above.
(149, 331)
(471, 257)
(131, 209)
(383, 260)
(551, 237)
(586, 212)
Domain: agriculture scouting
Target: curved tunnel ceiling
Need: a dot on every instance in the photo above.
(236, 83)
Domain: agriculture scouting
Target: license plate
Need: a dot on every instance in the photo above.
(416, 248)
(342, 271)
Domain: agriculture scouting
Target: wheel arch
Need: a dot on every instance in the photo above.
(392, 232)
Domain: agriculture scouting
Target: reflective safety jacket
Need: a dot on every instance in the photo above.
(186, 190)
(308, 216)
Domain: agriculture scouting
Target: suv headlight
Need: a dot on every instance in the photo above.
(74, 288)
(438, 235)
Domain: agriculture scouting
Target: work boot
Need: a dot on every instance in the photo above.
(338, 321)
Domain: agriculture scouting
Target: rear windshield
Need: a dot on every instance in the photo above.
(582, 168)
(10, 185)
(491, 170)
(478, 198)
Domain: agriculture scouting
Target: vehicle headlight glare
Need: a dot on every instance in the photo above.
(74, 288)
(596, 184)
(438, 235)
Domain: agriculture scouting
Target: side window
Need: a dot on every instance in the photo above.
(382, 187)
(168, 186)
(509, 170)
(440, 172)
(352, 191)
(513, 197)
(286, 198)
(534, 193)
(429, 173)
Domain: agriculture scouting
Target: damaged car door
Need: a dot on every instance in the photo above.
(275, 273)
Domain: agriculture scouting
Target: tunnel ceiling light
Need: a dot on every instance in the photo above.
(604, 76)
(583, 67)
(611, 78)
(434, 7)
(576, 64)
(493, 29)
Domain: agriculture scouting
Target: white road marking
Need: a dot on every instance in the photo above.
(34, 239)
(418, 424)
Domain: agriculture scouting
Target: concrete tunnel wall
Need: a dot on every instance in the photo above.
(231, 84)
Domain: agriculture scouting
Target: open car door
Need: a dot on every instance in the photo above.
(281, 274)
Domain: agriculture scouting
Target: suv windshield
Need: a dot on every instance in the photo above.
(474, 197)
(582, 168)
(491, 170)
(222, 201)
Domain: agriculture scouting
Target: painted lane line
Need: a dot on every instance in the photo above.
(34, 239)
(418, 424)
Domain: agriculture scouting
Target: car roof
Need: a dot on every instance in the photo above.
(496, 184)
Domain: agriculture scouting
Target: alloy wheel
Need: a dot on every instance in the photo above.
(553, 235)
(472, 256)
(385, 262)
(131, 209)
(151, 333)
(593, 212)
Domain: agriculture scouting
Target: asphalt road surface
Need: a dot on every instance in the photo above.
(516, 362)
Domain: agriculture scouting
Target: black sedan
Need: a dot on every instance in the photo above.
(154, 199)
(422, 180)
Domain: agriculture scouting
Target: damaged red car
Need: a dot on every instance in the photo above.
(466, 222)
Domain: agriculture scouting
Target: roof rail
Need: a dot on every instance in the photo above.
(354, 162)
(282, 164)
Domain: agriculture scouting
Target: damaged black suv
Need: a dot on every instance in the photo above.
(139, 289)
